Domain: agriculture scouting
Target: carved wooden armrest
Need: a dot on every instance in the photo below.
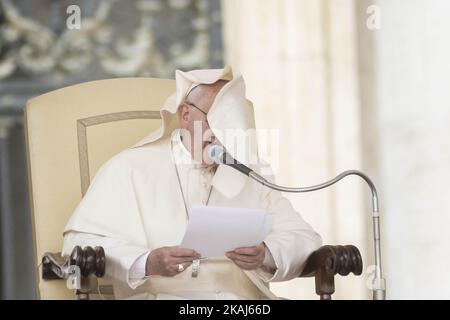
(81, 268)
(323, 264)
(326, 262)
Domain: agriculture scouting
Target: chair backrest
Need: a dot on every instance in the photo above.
(70, 133)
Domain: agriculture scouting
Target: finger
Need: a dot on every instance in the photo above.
(185, 265)
(181, 260)
(245, 265)
(251, 251)
(254, 261)
(184, 252)
(241, 257)
(174, 268)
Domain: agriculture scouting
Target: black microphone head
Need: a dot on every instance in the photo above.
(216, 153)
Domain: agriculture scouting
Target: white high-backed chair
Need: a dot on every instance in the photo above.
(71, 132)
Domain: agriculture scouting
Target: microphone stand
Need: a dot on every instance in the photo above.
(378, 283)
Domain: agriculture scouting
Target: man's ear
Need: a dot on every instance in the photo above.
(183, 111)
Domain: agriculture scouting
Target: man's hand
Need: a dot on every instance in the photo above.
(164, 261)
(248, 258)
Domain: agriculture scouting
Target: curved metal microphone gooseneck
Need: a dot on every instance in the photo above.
(219, 154)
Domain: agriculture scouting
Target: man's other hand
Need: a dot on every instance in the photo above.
(248, 258)
(164, 261)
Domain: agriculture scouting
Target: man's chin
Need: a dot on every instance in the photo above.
(206, 161)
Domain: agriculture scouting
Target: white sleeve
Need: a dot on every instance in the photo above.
(269, 262)
(269, 268)
(120, 255)
(290, 241)
(138, 269)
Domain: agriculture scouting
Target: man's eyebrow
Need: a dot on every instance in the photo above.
(192, 104)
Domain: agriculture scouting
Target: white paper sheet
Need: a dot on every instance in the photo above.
(212, 231)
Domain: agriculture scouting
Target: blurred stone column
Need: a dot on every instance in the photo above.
(17, 265)
(405, 98)
(5, 210)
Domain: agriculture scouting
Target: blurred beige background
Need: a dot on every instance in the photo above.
(349, 84)
(347, 95)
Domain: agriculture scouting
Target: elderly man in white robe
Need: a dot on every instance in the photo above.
(138, 204)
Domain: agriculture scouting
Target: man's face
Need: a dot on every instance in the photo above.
(194, 121)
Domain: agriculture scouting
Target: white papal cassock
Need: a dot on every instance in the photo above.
(135, 204)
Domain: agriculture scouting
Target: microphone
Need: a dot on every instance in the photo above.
(221, 156)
